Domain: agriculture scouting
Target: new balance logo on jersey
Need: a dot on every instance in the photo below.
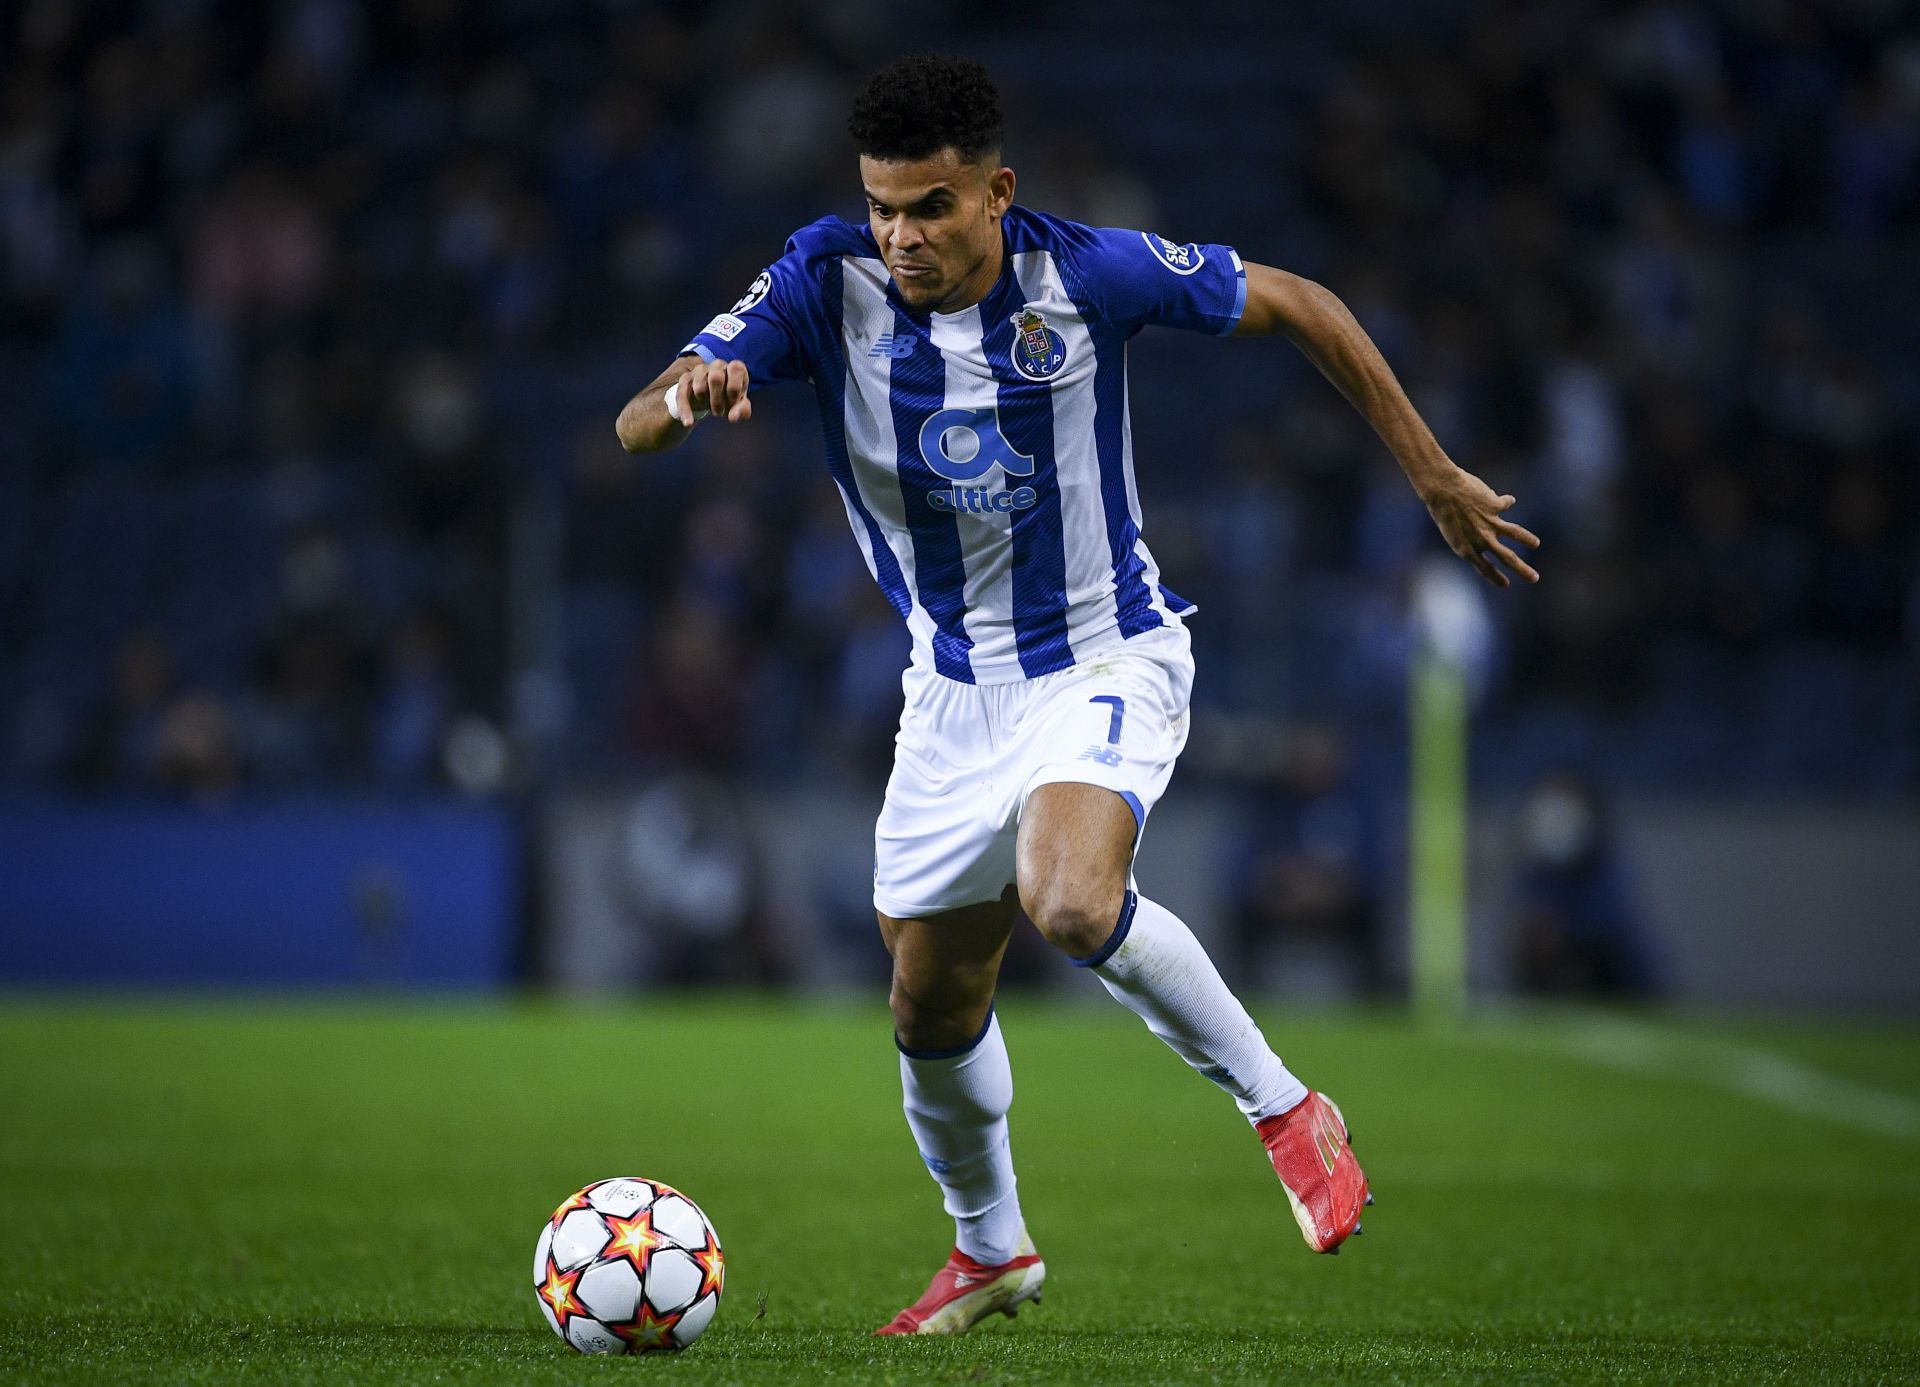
(887, 344)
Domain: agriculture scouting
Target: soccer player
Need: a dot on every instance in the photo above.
(969, 359)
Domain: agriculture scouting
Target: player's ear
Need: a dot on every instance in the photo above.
(1000, 191)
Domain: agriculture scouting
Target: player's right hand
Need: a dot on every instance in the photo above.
(719, 385)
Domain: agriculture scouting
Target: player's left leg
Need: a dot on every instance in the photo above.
(1075, 850)
(1074, 855)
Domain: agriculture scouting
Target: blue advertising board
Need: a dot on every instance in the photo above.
(326, 893)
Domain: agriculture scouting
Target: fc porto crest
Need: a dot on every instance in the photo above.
(1038, 352)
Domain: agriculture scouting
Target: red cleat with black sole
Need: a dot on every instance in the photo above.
(1313, 1156)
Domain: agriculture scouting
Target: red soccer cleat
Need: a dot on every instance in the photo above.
(964, 1292)
(1314, 1160)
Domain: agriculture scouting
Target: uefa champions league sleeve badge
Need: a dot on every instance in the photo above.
(1038, 353)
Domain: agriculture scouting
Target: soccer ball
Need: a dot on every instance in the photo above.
(627, 1266)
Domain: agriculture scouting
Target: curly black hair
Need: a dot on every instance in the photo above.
(920, 105)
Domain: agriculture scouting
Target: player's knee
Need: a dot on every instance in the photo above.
(1074, 917)
(925, 1019)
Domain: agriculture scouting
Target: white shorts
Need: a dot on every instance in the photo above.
(968, 755)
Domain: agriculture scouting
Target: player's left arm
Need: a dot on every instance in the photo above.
(1469, 514)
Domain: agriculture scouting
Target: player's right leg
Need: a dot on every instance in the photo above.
(957, 1086)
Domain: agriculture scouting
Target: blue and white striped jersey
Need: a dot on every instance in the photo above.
(985, 456)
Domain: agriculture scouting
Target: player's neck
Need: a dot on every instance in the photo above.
(977, 285)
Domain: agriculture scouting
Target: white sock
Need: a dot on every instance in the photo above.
(956, 1102)
(1154, 965)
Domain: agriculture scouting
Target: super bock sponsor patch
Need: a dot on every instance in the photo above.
(1182, 260)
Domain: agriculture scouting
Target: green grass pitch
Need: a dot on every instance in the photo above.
(282, 1191)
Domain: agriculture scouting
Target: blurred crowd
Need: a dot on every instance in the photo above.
(315, 315)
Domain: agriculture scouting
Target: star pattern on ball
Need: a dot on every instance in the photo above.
(633, 1238)
(647, 1331)
(558, 1292)
(578, 1200)
(713, 1265)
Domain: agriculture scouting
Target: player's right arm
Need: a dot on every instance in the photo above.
(685, 393)
(754, 343)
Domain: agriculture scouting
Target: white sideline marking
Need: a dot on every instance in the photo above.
(1640, 1047)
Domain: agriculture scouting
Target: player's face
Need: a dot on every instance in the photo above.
(937, 221)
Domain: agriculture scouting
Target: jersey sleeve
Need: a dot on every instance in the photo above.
(763, 328)
(1143, 280)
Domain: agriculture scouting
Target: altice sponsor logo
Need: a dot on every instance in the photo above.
(981, 500)
(965, 445)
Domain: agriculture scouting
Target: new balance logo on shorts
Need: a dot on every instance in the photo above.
(1105, 755)
(886, 344)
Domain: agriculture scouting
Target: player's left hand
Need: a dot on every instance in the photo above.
(1470, 517)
